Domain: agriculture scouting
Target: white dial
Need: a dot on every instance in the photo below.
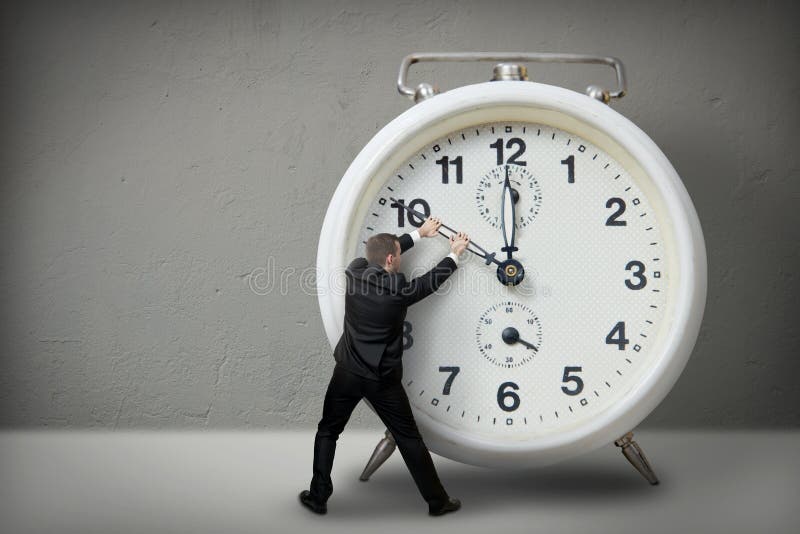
(595, 279)
(491, 185)
(509, 334)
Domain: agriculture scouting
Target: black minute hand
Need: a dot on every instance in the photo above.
(488, 257)
(508, 218)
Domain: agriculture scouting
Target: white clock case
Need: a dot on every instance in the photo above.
(427, 121)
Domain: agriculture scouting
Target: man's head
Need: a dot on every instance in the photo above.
(384, 250)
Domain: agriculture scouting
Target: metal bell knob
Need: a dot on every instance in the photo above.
(598, 93)
(424, 91)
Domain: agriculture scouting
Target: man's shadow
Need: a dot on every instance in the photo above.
(391, 490)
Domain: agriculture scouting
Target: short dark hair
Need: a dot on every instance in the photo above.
(381, 245)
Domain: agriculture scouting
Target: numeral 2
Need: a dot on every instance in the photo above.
(612, 219)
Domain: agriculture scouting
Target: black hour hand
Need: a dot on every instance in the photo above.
(473, 247)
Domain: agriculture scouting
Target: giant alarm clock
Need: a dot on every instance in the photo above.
(582, 313)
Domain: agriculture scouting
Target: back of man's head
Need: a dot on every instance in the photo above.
(381, 245)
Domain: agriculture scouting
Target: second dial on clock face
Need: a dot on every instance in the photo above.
(527, 195)
(509, 334)
(595, 261)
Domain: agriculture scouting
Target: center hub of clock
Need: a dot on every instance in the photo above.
(510, 272)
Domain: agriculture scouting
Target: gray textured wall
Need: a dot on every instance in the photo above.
(156, 155)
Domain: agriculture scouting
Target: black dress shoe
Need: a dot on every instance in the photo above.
(309, 502)
(450, 506)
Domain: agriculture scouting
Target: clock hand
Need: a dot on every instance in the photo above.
(508, 217)
(511, 336)
(510, 272)
(488, 257)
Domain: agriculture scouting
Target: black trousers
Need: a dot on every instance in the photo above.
(390, 401)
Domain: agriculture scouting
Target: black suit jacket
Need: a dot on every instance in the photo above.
(375, 308)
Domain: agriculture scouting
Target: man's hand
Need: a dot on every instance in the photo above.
(430, 227)
(458, 242)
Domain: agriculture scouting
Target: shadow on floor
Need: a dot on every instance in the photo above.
(393, 492)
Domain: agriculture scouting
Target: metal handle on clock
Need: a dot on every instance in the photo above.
(540, 57)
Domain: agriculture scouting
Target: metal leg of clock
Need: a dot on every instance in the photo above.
(381, 453)
(636, 457)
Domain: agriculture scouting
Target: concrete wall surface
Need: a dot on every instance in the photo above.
(156, 155)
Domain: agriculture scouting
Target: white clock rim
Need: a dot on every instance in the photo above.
(392, 143)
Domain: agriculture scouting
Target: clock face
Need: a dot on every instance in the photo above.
(517, 362)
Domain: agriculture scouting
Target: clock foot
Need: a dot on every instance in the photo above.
(636, 457)
(382, 451)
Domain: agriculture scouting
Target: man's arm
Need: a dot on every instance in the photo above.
(429, 228)
(407, 240)
(422, 286)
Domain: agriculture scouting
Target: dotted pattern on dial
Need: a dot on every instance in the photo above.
(575, 283)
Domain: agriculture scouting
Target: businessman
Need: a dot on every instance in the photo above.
(369, 361)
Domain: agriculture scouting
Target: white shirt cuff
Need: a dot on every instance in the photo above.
(455, 258)
(415, 235)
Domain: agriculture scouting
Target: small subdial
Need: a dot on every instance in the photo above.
(509, 334)
(527, 195)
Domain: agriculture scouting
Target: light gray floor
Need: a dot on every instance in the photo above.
(196, 482)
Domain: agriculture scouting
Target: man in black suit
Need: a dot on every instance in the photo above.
(369, 361)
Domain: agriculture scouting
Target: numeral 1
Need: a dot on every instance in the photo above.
(570, 163)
